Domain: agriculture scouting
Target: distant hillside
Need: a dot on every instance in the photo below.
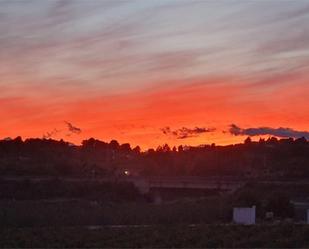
(272, 158)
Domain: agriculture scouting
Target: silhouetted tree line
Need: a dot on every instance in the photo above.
(266, 158)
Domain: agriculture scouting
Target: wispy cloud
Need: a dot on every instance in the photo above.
(141, 60)
(51, 134)
(73, 129)
(185, 132)
(138, 37)
(259, 131)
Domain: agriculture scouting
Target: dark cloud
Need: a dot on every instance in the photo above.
(73, 129)
(259, 131)
(185, 132)
(50, 134)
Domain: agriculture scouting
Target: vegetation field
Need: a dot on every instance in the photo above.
(78, 212)
(202, 236)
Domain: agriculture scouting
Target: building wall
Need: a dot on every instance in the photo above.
(300, 210)
(244, 215)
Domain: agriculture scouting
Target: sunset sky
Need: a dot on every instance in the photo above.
(154, 72)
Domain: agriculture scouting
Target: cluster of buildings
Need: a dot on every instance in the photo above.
(247, 215)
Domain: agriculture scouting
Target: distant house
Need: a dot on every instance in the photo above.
(244, 215)
(301, 210)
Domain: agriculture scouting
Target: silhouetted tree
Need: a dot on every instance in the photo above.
(180, 148)
(114, 145)
(279, 203)
(125, 147)
(248, 140)
(137, 150)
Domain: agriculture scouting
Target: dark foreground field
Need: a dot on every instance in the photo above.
(288, 236)
(91, 215)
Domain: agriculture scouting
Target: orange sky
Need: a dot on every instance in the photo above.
(128, 70)
(137, 117)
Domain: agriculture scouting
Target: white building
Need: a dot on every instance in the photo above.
(244, 215)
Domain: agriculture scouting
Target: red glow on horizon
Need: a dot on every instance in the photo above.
(138, 117)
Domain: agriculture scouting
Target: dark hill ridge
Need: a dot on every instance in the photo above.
(272, 158)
